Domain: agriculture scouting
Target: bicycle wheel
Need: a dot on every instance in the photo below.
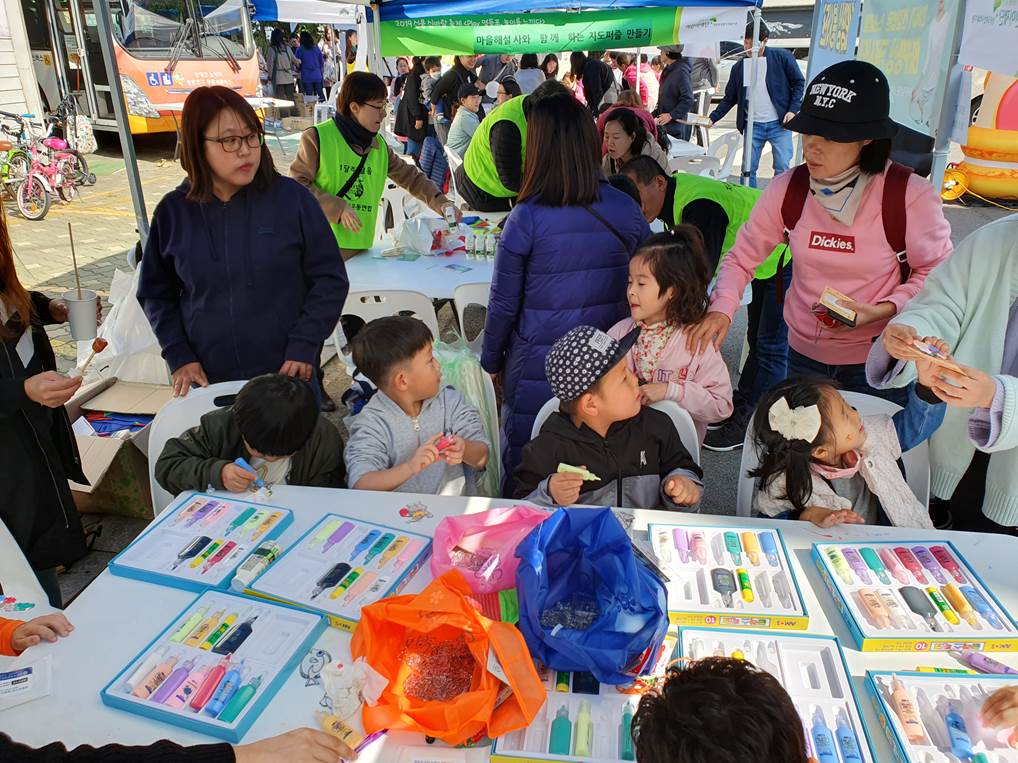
(82, 176)
(66, 191)
(33, 201)
(18, 164)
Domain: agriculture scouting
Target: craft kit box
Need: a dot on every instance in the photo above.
(733, 577)
(813, 671)
(917, 596)
(931, 718)
(200, 541)
(341, 565)
(217, 665)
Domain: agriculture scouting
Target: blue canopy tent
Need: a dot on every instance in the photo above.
(306, 11)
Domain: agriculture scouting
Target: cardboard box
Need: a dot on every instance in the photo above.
(297, 124)
(117, 468)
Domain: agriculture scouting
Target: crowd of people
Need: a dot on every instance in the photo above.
(243, 277)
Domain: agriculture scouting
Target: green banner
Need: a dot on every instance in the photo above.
(513, 33)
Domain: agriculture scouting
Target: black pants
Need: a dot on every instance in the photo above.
(967, 501)
(476, 199)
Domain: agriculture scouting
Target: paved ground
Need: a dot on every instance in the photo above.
(104, 231)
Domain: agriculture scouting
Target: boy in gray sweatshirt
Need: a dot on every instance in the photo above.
(413, 436)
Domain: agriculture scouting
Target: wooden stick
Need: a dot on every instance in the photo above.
(74, 259)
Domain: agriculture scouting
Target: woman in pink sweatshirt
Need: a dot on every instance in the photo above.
(841, 237)
(667, 295)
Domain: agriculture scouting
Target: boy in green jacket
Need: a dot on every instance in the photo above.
(274, 425)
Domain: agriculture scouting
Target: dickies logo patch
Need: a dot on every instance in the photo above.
(832, 242)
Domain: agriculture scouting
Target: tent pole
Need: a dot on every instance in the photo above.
(104, 22)
(747, 139)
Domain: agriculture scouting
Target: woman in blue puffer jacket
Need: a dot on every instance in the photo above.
(563, 261)
(312, 63)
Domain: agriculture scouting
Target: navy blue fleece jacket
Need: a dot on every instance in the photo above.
(243, 286)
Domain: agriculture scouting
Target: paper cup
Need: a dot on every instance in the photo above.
(81, 314)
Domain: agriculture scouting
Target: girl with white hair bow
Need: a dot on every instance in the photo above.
(822, 462)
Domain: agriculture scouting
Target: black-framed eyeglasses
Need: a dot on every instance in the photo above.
(383, 110)
(231, 143)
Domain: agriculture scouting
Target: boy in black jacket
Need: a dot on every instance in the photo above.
(633, 456)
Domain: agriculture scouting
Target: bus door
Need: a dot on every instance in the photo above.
(98, 100)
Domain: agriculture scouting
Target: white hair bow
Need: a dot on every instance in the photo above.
(802, 423)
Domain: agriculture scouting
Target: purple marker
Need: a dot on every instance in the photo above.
(681, 542)
(857, 564)
(983, 664)
(926, 560)
(202, 512)
(343, 530)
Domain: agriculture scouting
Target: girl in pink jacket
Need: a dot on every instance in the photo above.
(841, 237)
(667, 293)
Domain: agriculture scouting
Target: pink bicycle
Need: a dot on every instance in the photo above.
(52, 171)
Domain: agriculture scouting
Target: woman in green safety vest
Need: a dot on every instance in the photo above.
(344, 162)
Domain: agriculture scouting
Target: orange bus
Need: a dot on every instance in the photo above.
(164, 49)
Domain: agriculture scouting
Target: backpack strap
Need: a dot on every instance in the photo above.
(892, 212)
(791, 211)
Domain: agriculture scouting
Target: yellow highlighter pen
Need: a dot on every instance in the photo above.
(942, 605)
(204, 629)
(346, 582)
(954, 595)
(391, 551)
(264, 526)
(751, 546)
(747, 589)
(209, 551)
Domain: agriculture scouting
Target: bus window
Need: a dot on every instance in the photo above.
(154, 28)
(36, 24)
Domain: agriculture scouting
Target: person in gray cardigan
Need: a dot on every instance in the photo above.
(413, 436)
(282, 66)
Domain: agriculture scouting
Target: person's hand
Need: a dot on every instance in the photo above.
(970, 389)
(453, 455)
(1000, 711)
(425, 455)
(664, 119)
(297, 746)
(822, 517)
(51, 389)
(927, 371)
(683, 491)
(456, 211)
(418, 124)
(898, 339)
(867, 313)
(185, 376)
(349, 220)
(652, 393)
(788, 116)
(58, 310)
(496, 382)
(565, 488)
(296, 368)
(711, 330)
(237, 479)
(45, 628)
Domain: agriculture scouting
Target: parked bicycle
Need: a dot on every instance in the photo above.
(54, 170)
(14, 159)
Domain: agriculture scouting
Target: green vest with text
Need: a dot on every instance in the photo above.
(336, 163)
(736, 200)
(479, 164)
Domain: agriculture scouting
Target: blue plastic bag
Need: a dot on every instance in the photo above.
(586, 602)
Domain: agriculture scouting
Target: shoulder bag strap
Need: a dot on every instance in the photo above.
(353, 177)
(791, 211)
(614, 231)
(893, 214)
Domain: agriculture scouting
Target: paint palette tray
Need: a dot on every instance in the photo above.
(217, 665)
(728, 577)
(913, 596)
(944, 725)
(200, 541)
(598, 741)
(341, 565)
(813, 671)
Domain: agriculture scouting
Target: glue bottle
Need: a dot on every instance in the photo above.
(255, 565)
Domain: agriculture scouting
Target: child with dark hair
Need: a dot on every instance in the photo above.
(632, 455)
(274, 425)
(821, 461)
(413, 436)
(627, 186)
(668, 278)
(691, 717)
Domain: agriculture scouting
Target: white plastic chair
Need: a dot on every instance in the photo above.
(454, 164)
(471, 294)
(729, 141)
(393, 199)
(695, 165)
(680, 417)
(916, 461)
(175, 418)
(495, 450)
(368, 305)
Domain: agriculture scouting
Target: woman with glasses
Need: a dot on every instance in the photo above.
(344, 162)
(241, 275)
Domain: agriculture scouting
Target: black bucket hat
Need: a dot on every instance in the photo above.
(846, 102)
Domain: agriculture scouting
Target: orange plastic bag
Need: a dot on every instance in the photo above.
(397, 636)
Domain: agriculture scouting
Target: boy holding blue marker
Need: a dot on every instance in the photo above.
(273, 434)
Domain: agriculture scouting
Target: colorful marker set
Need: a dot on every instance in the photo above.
(200, 542)
(217, 665)
(341, 565)
(900, 597)
(730, 578)
(813, 671)
(589, 724)
(937, 719)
